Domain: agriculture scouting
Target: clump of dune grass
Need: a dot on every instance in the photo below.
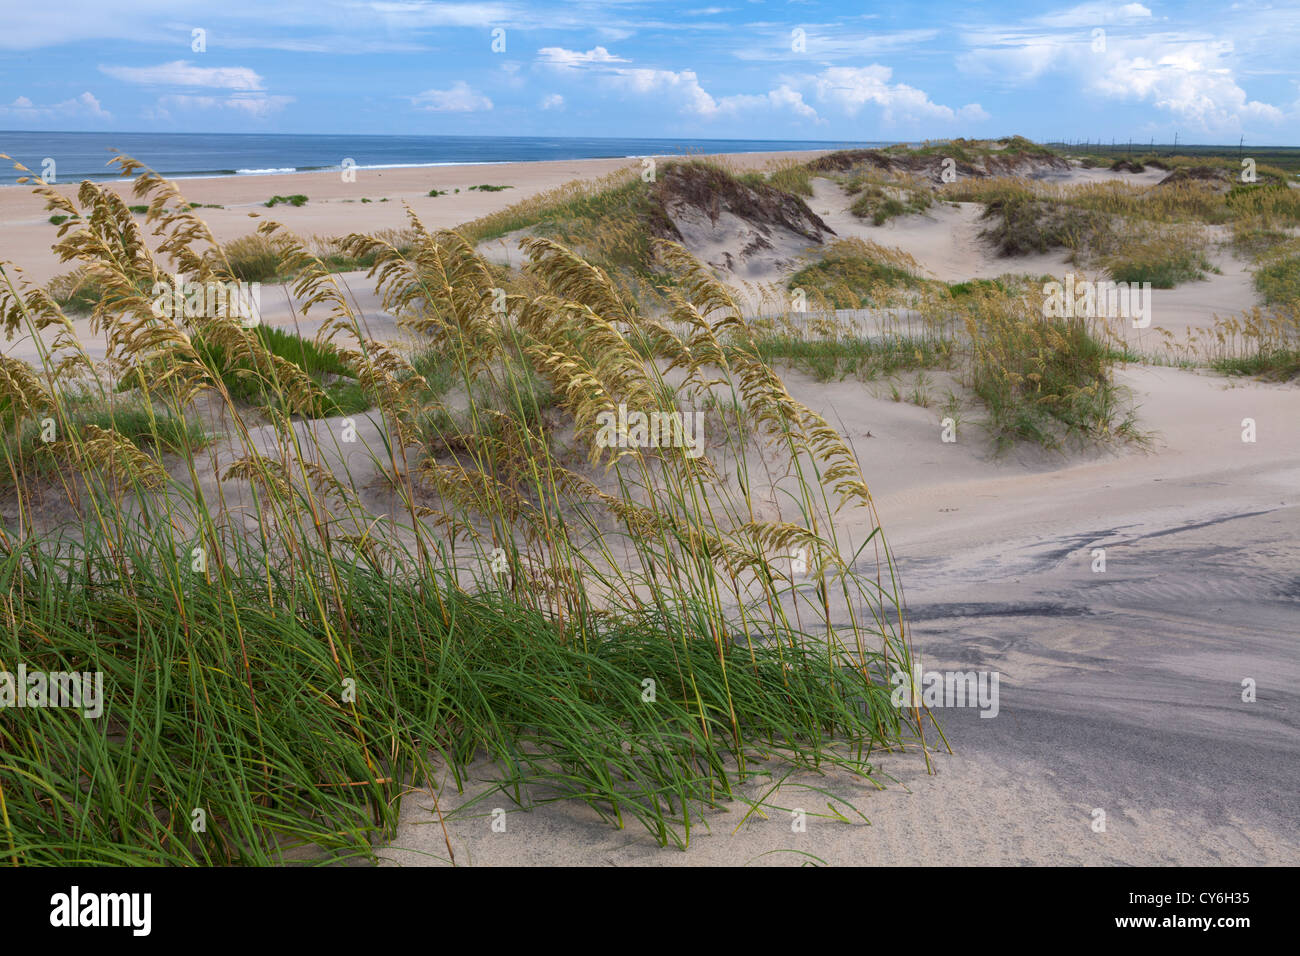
(253, 258)
(792, 177)
(35, 444)
(1254, 236)
(251, 382)
(1163, 256)
(1264, 343)
(76, 292)
(854, 273)
(865, 357)
(1279, 365)
(1042, 380)
(297, 199)
(1020, 225)
(1277, 277)
(1188, 201)
(882, 203)
(286, 664)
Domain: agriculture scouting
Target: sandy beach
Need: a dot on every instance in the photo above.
(334, 206)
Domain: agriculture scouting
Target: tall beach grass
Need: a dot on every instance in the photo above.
(300, 622)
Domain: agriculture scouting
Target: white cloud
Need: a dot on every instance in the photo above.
(852, 88)
(781, 98)
(254, 105)
(683, 86)
(834, 42)
(562, 59)
(553, 102)
(85, 106)
(848, 88)
(459, 99)
(184, 73)
(409, 14)
(680, 86)
(1096, 15)
(1017, 58)
(1192, 80)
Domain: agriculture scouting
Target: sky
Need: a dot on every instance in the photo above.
(745, 69)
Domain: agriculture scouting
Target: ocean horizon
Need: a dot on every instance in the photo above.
(79, 156)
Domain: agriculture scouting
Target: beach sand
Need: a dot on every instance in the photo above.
(334, 207)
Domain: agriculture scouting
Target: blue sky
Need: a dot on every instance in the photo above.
(761, 69)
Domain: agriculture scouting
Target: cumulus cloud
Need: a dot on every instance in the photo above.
(1096, 14)
(847, 88)
(1194, 81)
(459, 99)
(562, 59)
(852, 88)
(553, 102)
(682, 86)
(1189, 82)
(252, 105)
(85, 106)
(679, 86)
(184, 73)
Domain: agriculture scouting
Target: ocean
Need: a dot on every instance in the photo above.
(80, 156)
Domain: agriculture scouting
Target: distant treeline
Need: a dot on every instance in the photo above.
(1284, 157)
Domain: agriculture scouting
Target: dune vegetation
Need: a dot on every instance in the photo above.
(1124, 231)
(302, 620)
